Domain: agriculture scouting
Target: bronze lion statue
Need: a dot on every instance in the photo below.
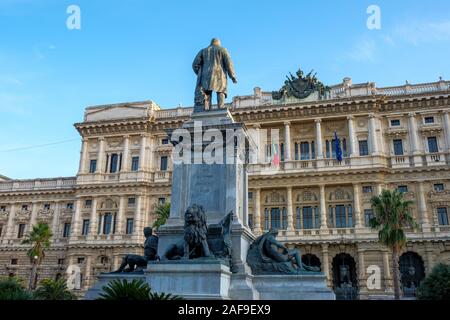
(194, 244)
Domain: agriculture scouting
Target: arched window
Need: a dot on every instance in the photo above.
(412, 272)
(107, 226)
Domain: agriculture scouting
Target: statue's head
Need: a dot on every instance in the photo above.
(148, 231)
(215, 42)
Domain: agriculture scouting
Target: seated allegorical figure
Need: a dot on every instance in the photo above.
(134, 262)
(268, 256)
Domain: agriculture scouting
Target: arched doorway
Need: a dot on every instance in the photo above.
(412, 272)
(345, 283)
(311, 260)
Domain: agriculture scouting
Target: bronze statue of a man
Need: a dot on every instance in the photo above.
(212, 65)
(134, 262)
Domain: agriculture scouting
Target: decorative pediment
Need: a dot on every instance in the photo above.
(275, 197)
(45, 213)
(120, 111)
(340, 195)
(300, 86)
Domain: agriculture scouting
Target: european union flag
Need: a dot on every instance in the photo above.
(337, 147)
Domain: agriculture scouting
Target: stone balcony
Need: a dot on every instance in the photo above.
(138, 176)
(38, 184)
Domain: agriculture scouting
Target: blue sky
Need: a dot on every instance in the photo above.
(142, 50)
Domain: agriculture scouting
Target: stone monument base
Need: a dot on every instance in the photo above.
(293, 287)
(104, 278)
(202, 279)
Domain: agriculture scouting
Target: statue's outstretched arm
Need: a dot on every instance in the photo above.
(197, 64)
(229, 67)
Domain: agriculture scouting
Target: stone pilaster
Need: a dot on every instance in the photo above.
(447, 129)
(352, 136)
(257, 214)
(287, 141)
(101, 155)
(290, 213)
(126, 154)
(93, 224)
(357, 206)
(374, 149)
(323, 209)
(319, 142)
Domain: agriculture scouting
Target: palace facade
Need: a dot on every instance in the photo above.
(391, 138)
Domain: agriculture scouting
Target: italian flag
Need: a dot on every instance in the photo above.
(275, 154)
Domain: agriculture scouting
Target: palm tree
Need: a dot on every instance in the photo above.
(39, 238)
(162, 213)
(137, 289)
(54, 290)
(392, 215)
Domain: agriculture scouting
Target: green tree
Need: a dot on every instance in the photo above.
(11, 288)
(436, 285)
(53, 290)
(392, 215)
(137, 289)
(162, 213)
(39, 239)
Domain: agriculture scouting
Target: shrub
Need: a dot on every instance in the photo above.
(12, 289)
(436, 285)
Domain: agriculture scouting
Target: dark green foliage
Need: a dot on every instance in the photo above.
(12, 289)
(53, 290)
(134, 290)
(162, 213)
(436, 285)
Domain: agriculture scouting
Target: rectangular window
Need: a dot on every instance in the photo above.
(438, 187)
(307, 218)
(13, 262)
(250, 221)
(21, 231)
(134, 163)
(93, 166)
(282, 152)
(368, 215)
(130, 222)
(107, 224)
(163, 164)
(442, 216)
(131, 202)
(161, 201)
(25, 207)
(85, 229)
(398, 147)
(60, 261)
(432, 145)
(47, 206)
(395, 123)
(284, 219)
(363, 148)
(275, 218)
(69, 206)
(250, 195)
(340, 216)
(298, 219)
(304, 150)
(429, 120)
(165, 141)
(66, 230)
(88, 203)
(327, 149)
(2, 208)
(114, 163)
(1, 229)
(367, 189)
(80, 260)
(402, 189)
(317, 218)
(296, 151)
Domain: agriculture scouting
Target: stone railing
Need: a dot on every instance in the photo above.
(38, 184)
(415, 89)
(174, 113)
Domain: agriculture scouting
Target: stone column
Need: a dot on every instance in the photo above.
(447, 129)
(387, 272)
(323, 209)
(125, 155)
(422, 205)
(374, 150)
(319, 145)
(10, 225)
(87, 272)
(121, 215)
(56, 213)
(100, 155)
(34, 213)
(257, 214)
(138, 217)
(352, 136)
(326, 263)
(142, 164)
(430, 259)
(287, 141)
(93, 225)
(361, 272)
(412, 128)
(357, 206)
(75, 232)
(290, 213)
(83, 154)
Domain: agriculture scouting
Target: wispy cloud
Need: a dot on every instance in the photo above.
(422, 32)
(10, 80)
(363, 51)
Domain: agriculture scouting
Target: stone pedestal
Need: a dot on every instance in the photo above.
(293, 287)
(104, 278)
(201, 279)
